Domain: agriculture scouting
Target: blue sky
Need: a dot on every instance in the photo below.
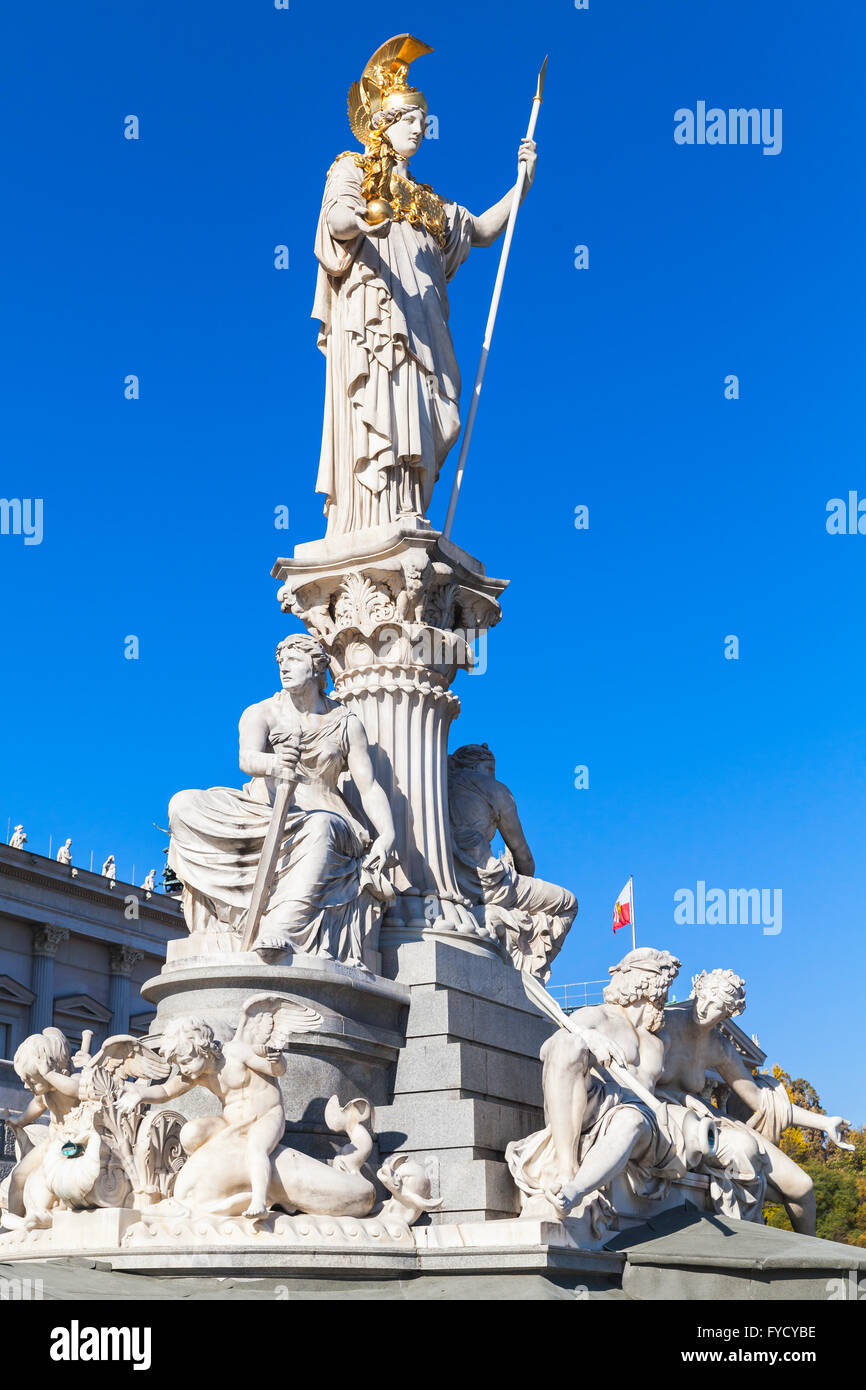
(605, 388)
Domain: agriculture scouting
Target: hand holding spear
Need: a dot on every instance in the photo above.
(494, 307)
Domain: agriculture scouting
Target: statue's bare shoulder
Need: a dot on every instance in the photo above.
(262, 712)
(613, 1023)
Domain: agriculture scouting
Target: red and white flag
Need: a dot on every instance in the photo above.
(623, 911)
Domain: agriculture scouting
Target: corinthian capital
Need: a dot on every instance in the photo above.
(47, 939)
(124, 959)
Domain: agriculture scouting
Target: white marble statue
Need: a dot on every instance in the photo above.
(19, 838)
(747, 1166)
(149, 881)
(410, 1183)
(237, 1164)
(330, 880)
(64, 854)
(603, 1120)
(109, 868)
(92, 1153)
(387, 247)
(529, 914)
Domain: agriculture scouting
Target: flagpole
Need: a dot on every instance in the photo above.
(631, 884)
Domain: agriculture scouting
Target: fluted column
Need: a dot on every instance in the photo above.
(398, 614)
(45, 944)
(123, 960)
(407, 712)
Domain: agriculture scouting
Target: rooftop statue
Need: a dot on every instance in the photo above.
(387, 246)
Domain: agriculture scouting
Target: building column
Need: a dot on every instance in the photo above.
(122, 963)
(45, 943)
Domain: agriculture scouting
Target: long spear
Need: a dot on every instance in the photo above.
(494, 306)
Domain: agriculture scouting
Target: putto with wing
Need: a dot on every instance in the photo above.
(237, 1163)
(97, 1150)
(104, 1147)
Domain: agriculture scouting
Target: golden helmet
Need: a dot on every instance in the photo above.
(383, 84)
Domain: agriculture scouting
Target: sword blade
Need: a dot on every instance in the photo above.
(267, 863)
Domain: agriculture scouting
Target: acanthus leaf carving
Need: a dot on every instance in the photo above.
(361, 604)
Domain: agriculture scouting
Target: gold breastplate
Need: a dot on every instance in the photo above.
(412, 202)
(417, 204)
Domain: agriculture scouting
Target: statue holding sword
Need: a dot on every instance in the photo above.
(285, 863)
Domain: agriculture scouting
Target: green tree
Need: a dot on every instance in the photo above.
(839, 1176)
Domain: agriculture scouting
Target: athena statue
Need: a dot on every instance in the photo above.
(387, 247)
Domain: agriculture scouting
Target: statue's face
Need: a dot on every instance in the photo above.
(296, 668)
(710, 1008)
(191, 1066)
(407, 133)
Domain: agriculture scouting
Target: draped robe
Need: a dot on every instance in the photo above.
(316, 902)
(392, 383)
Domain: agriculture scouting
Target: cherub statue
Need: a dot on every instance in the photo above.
(747, 1165)
(237, 1163)
(44, 1063)
(91, 1154)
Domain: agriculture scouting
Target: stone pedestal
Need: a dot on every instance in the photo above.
(679, 1256)
(354, 1053)
(468, 1079)
(398, 610)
